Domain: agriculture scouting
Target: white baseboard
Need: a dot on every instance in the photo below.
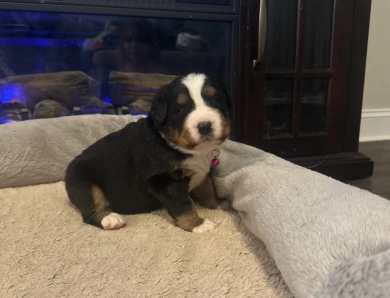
(375, 125)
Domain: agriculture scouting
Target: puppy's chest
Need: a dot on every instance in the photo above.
(196, 167)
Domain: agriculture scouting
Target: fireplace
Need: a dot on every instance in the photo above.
(66, 58)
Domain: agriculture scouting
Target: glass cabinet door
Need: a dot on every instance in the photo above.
(295, 99)
(296, 73)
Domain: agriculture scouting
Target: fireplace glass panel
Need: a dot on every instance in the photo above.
(60, 64)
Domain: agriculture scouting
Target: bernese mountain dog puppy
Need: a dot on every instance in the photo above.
(161, 161)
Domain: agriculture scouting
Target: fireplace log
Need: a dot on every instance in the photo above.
(69, 88)
(50, 109)
(140, 106)
(136, 89)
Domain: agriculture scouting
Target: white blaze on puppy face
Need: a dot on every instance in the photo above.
(202, 112)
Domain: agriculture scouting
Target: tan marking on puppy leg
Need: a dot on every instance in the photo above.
(99, 198)
(205, 193)
(189, 221)
(209, 90)
(101, 205)
(181, 98)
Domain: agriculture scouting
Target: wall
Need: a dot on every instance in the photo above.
(376, 99)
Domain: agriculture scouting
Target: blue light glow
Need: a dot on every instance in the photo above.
(40, 42)
(134, 113)
(12, 93)
(7, 121)
(107, 100)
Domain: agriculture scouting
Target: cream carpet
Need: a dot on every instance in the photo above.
(46, 251)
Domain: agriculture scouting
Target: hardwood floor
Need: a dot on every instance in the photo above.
(379, 182)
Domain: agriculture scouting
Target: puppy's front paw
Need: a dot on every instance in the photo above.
(206, 226)
(224, 205)
(113, 221)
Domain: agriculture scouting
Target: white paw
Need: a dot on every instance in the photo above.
(206, 226)
(225, 205)
(112, 221)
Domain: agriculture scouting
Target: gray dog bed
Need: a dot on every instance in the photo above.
(327, 239)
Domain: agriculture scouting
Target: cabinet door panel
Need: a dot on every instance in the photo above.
(278, 108)
(313, 106)
(293, 102)
(318, 34)
(281, 34)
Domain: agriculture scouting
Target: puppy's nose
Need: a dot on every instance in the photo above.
(204, 128)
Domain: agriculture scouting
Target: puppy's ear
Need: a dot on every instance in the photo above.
(228, 99)
(226, 93)
(224, 90)
(158, 110)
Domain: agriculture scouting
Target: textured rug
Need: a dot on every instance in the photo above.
(46, 251)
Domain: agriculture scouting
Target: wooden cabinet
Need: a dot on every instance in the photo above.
(301, 73)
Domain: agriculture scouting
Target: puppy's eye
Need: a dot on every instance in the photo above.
(215, 99)
(179, 110)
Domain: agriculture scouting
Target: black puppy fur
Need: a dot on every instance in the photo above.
(137, 170)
